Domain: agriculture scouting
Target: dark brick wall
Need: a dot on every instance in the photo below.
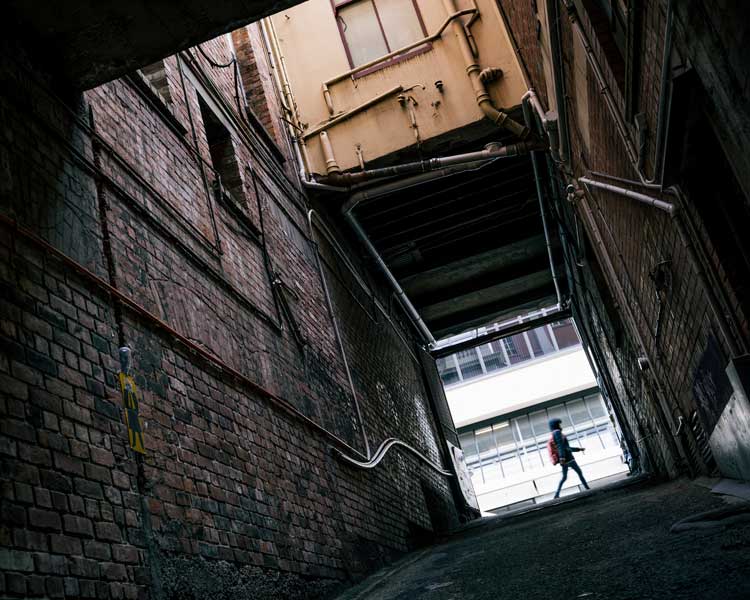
(618, 305)
(243, 390)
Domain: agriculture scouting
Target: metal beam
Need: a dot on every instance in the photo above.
(508, 331)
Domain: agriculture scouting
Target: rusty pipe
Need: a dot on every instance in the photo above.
(423, 166)
(473, 70)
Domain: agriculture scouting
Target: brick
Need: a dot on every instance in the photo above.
(108, 531)
(50, 563)
(64, 544)
(98, 473)
(44, 519)
(42, 362)
(68, 464)
(84, 567)
(114, 572)
(14, 387)
(97, 550)
(78, 526)
(102, 456)
(55, 587)
(91, 489)
(125, 554)
(55, 481)
(16, 560)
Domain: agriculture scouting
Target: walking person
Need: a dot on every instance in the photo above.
(561, 452)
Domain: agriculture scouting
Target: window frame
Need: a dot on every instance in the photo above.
(337, 5)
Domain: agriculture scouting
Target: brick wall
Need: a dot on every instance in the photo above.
(623, 242)
(112, 234)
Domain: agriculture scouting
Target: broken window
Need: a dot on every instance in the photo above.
(374, 28)
(223, 158)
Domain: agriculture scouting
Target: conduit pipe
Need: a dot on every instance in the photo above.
(553, 20)
(625, 304)
(491, 151)
(473, 70)
(383, 449)
(348, 213)
(667, 207)
(547, 119)
(542, 208)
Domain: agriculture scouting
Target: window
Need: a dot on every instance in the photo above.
(492, 356)
(448, 371)
(221, 150)
(468, 361)
(541, 341)
(565, 334)
(373, 28)
(516, 348)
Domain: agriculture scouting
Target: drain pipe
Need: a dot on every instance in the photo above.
(473, 70)
(542, 209)
(553, 19)
(400, 293)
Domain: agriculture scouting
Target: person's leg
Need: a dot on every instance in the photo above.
(577, 469)
(564, 477)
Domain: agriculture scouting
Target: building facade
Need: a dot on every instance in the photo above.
(502, 396)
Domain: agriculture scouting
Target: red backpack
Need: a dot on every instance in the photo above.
(554, 455)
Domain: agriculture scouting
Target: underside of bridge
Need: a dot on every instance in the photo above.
(468, 249)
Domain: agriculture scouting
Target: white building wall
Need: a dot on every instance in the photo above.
(514, 388)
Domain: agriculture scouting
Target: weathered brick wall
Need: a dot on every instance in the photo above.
(238, 494)
(620, 305)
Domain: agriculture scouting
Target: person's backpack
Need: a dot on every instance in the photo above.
(554, 453)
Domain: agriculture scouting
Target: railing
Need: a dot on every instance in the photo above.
(539, 486)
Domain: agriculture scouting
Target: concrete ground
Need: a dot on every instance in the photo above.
(607, 545)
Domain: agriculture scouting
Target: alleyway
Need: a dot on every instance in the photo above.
(614, 545)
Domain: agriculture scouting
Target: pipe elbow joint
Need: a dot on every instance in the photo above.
(490, 74)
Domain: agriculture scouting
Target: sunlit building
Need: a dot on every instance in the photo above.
(502, 395)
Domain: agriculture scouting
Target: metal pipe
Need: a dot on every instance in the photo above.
(348, 213)
(542, 209)
(667, 207)
(498, 117)
(332, 166)
(545, 120)
(349, 114)
(383, 450)
(400, 293)
(491, 151)
(604, 89)
(628, 317)
(664, 94)
(393, 186)
(553, 20)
